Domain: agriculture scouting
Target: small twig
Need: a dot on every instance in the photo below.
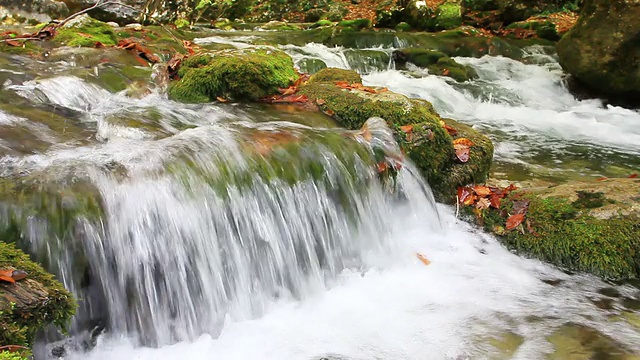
(457, 206)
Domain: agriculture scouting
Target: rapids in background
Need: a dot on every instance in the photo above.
(185, 234)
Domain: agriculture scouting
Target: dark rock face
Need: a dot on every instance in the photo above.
(51, 8)
(602, 51)
(121, 14)
(510, 11)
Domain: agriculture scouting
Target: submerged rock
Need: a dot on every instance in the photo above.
(248, 74)
(32, 303)
(590, 227)
(602, 51)
(581, 342)
(419, 129)
(435, 61)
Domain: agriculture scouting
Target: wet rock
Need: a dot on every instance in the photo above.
(334, 74)
(84, 31)
(311, 66)
(114, 12)
(435, 61)
(42, 10)
(247, 74)
(589, 227)
(602, 51)
(29, 305)
(576, 341)
(509, 11)
(424, 138)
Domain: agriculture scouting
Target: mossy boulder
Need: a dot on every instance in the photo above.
(403, 26)
(311, 65)
(357, 24)
(424, 138)
(587, 227)
(435, 61)
(602, 51)
(29, 305)
(334, 74)
(510, 11)
(448, 16)
(85, 31)
(247, 74)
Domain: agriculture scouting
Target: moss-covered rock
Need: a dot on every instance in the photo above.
(602, 51)
(357, 24)
(589, 227)
(425, 141)
(509, 11)
(334, 74)
(311, 65)
(28, 305)
(248, 74)
(86, 32)
(435, 61)
(403, 26)
(448, 16)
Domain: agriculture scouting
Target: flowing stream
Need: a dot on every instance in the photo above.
(242, 232)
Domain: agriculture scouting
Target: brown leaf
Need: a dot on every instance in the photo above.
(329, 112)
(462, 152)
(13, 348)
(463, 194)
(470, 200)
(288, 91)
(98, 45)
(445, 72)
(633, 176)
(320, 102)
(382, 167)
(482, 190)
(423, 259)
(450, 130)
(514, 220)
(221, 99)
(406, 128)
(520, 207)
(463, 141)
(530, 228)
(602, 179)
(84, 35)
(483, 203)
(173, 65)
(6, 276)
(495, 201)
(14, 43)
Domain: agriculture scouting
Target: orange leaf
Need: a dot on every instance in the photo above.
(320, 102)
(5, 275)
(514, 220)
(463, 141)
(423, 259)
(221, 99)
(406, 128)
(343, 84)
(482, 190)
(495, 201)
(288, 91)
(602, 179)
(463, 194)
(462, 152)
(446, 72)
(14, 43)
(98, 45)
(450, 130)
(382, 166)
(471, 199)
(633, 176)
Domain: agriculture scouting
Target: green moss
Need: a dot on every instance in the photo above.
(182, 23)
(448, 16)
(18, 325)
(87, 33)
(27, 48)
(321, 23)
(5, 355)
(334, 74)
(248, 74)
(563, 233)
(437, 62)
(357, 24)
(403, 26)
(311, 66)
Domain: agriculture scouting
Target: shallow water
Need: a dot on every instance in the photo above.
(192, 263)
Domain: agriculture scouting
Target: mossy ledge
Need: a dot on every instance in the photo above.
(85, 31)
(585, 227)
(247, 74)
(438, 63)
(428, 144)
(32, 303)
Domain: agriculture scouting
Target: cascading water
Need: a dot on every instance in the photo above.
(210, 231)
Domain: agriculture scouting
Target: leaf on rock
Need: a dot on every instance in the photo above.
(423, 259)
(482, 190)
(462, 152)
(483, 203)
(406, 128)
(463, 141)
(495, 201)
(514, 221)
(6, 276)
(520, 207)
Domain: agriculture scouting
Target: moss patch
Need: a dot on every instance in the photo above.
(86, 33)
(575, 230)
(248, 74)
(438, 63)
(19, 321)
(448, 16)
(334, 74)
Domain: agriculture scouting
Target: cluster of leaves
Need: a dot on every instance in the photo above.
(483, 198)
(11, 276)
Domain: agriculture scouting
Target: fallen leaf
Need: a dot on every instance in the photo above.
(463, 194)
(6, 276)
(423, 259)
(445, 72)
(511, 187)
(482, 190)
(84, 35)
(462, 152)
(495, 201)
(530, 228)
(288, 91)
(470, 200)
(514, 220)
(483, 203)
(221, 99)
(602, 179)
(329, 112)
(14, 43)
(499, 230)
(463, 141)
(520, 207)
(13, 348)
(382, 167)
(450, 130)
(406, 128)
(633, 176)
(320, 102)
(98, 45)
(19, 275)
